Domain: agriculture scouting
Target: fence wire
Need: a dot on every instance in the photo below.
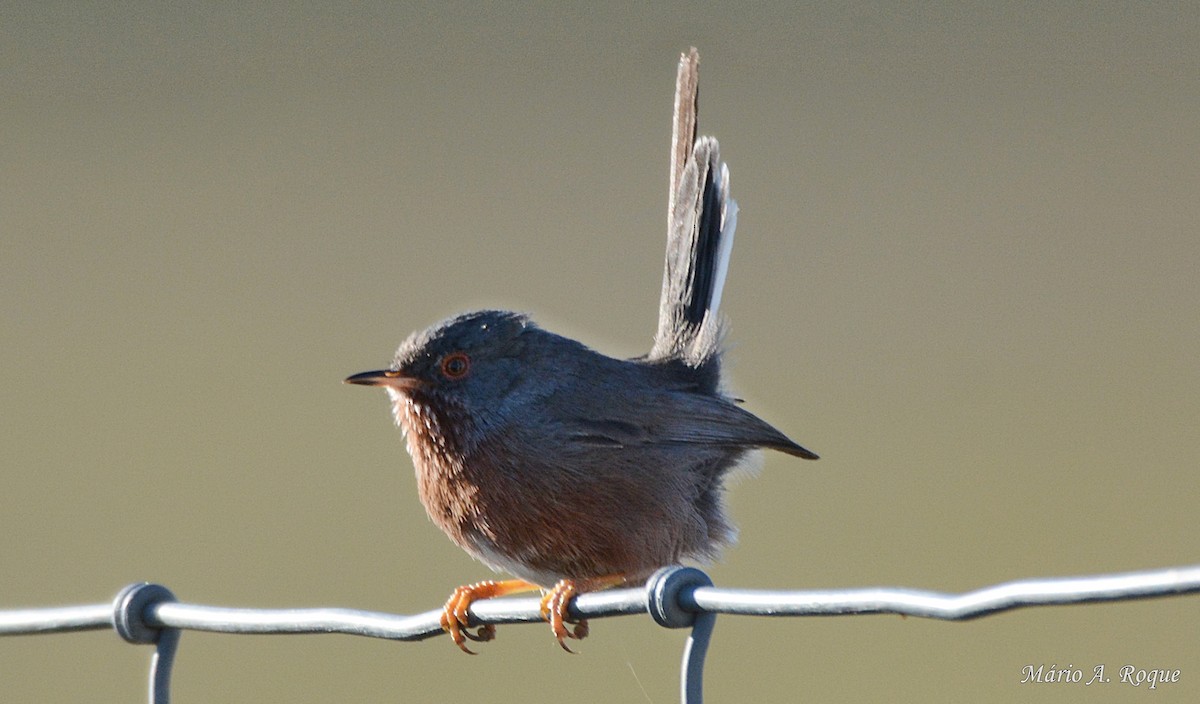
(676, 597)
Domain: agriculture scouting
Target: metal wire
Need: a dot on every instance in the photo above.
(950, 607)
(676, 597)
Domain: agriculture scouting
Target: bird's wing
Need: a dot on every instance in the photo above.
(680, 418)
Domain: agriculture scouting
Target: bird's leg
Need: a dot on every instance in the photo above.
(455, 617)
(556, 600)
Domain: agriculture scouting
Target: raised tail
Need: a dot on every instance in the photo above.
(701, 223)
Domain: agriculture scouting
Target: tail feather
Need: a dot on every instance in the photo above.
(728, 225)
(702, 220)
(683, 124)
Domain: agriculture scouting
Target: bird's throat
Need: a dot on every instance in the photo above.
(445, 488)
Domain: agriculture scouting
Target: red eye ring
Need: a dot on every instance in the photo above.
(455, 365)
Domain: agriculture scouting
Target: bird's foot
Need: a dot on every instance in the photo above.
(557, 601)
(456, 617)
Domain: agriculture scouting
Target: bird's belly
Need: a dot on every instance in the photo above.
(546, 526)
(547, 515)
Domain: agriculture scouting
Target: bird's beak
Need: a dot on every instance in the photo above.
(384, 377)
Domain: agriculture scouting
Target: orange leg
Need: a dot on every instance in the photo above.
(556, 601)
(455, 617)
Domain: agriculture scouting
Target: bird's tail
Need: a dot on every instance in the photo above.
(701, 221)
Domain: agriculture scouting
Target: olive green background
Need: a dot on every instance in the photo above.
(967, 273)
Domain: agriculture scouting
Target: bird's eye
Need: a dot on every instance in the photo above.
(456, 365)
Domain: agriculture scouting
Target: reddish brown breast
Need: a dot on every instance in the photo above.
(449, 497)
(537, 519)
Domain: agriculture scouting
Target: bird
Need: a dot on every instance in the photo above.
(570, 470)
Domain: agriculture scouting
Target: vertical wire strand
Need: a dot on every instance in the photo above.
(161, 665)
(691, 685)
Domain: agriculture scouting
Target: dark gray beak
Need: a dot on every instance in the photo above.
(383, 377)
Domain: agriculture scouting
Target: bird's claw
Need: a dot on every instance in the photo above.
(456, 615)
(456, 619)
(555, 604)
(482, 634)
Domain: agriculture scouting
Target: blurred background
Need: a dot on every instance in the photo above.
(966, 274)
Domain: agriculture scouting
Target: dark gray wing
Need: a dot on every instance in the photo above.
(680, 418)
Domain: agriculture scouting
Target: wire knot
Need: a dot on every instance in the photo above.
(666, 592)
(129, 609)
